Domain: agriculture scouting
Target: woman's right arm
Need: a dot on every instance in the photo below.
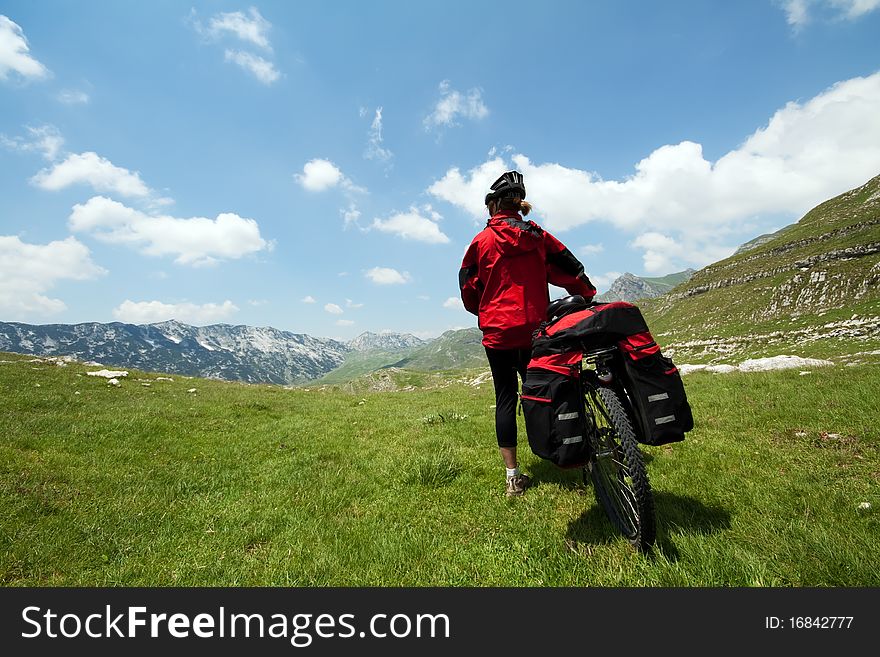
(566, 271)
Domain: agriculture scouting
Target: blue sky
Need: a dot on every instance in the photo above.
(320, 167)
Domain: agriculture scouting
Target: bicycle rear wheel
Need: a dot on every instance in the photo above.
(617, 469)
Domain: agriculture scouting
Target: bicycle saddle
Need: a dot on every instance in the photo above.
(564, 306)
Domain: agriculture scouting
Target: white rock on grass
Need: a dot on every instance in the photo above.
(758, 365)
(108, 374)
(113, 382)
(191, 390)
(718, 369)
(780, 363)
(865, 506)
(481, 379)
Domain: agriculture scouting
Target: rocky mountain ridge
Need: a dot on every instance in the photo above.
(220, 351)
(631, 288)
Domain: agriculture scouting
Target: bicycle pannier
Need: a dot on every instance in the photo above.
(553, 406)
(656, 390)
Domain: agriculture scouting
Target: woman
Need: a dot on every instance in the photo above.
(503, 280)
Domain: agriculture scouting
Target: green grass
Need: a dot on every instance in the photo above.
(260, 485)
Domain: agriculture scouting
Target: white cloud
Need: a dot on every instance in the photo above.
(195, 241)
(333, 309)
(855, 8)
(350, 215)
(151, 312)
(257, 303)
(344, 322)
(308, 299)
(453, 303)
(413, 225)
(91, 169)
(29, 271)
(800, 12)
(591, 249)
(253, 29)
(351, 304)
(320, 175)
(603, 281)
(375, 150)
(796, 12)
(660, 251)
(387, 276)
(44, 139)
(806, 153)
(453, 104)
(73, 97)
(260, 68)
(469, 192)
(14, 55)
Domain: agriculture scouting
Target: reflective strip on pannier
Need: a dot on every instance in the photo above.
(553, 406)
(659, 399)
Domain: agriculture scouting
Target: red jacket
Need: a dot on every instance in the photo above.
(504, 276)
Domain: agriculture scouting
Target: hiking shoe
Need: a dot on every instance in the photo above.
(517, 485)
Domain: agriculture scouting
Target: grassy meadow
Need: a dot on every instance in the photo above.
(193, 482)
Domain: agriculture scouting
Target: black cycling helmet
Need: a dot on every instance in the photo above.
(510, 184)
(564, 306)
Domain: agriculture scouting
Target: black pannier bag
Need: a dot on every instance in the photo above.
(553, 406)
(651, 380)
(656, 390)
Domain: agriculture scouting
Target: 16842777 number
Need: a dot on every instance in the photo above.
(820, 622)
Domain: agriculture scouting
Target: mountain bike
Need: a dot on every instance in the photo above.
(616, 465)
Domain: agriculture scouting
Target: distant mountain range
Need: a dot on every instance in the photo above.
(220, 351)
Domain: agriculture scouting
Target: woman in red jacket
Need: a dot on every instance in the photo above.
(503, 280)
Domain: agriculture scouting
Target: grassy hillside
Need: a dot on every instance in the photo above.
(812, 289)
(359, 363)
(670, 280)
(453, 349)
(196, 482)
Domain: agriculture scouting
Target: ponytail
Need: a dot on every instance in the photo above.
(516, 204)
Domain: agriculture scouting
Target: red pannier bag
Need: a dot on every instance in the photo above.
(651, 380)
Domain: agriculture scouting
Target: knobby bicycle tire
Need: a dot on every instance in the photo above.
(617, 470)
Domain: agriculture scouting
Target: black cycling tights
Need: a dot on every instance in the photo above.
(505, 363)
